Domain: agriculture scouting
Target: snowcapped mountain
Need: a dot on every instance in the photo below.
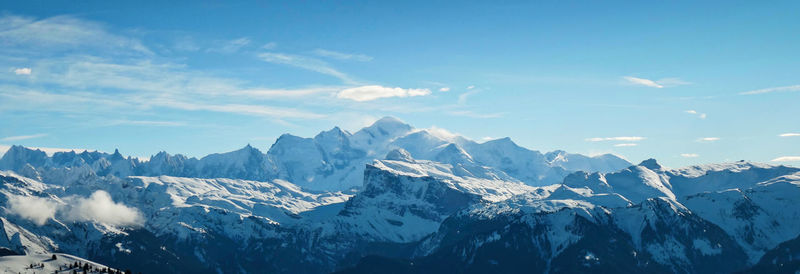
(640, 219)
(392, 197)
(333, 160)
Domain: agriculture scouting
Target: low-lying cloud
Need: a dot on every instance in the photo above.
(35, 209)
(100, 208)
(97, 208)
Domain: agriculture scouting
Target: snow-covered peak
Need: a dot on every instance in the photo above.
(18, 156)
(453, 154)
(239, 156)
(651, 164)
(399, 155)
(390, 124)
(556, 156)
(335, 134)
(700, 170)
(380, 133)
(421, 144)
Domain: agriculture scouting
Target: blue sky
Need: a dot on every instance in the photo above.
(679, 81)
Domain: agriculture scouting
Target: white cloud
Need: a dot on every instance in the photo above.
(100, 208)
(768, 90)
(626, 145)
(787, 159)
(642, 82)
(22, 137)
(22, 71)
(694, 112)
(708, 139)
(689, 155)
(34, 209)
(342, 56)
(621, 138)
(470, 87)
(444, 89)
(790, 135)
(305, 63)
(661, 83)
(369, 93)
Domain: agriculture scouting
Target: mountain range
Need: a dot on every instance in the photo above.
(390, 198)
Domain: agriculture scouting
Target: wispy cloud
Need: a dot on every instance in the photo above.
(254, 110)
(148, 123)
(231, 46)
(626, 145)
(270, 46)
(373, 92)
(694, 112)
(642, 82)
(342, 56)
(444, 89)
(787, 159)
(774, 89)
(306, 63)
(462, 98)
(790, 135)
(690, 155)
(708, 139)
(23, 71)
(22, 137)
(472, 114)
(61, 33)
(661, 83)
(285, 93)
(621, 138)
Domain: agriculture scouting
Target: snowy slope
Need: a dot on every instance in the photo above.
(62, 264)
(404, 199)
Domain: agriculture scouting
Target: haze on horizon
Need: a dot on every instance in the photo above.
(684, 82)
